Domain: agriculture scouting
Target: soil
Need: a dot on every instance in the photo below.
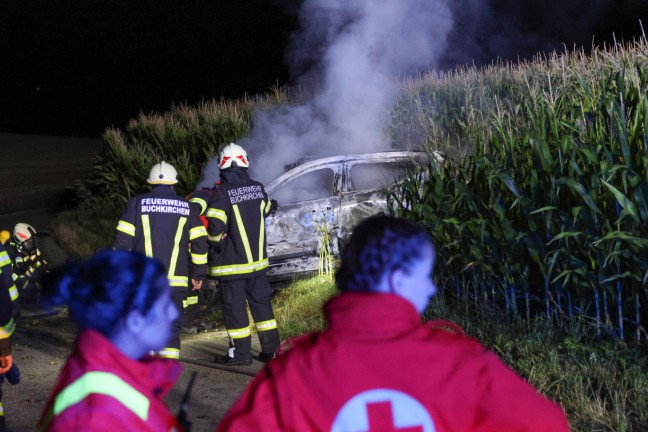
(35, 174)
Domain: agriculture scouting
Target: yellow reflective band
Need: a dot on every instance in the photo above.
(215, 239)
(201, 202)
(146, 227)
(196, 232)
(103, 383)
(243, 233)
(8, 329)
(1, 410)
(239, 333)
(4, 259)
(199, 258)
(213, 213)
(170, 353)
(266, 325)
(13, 293)
(235, 269)
(261, 231)
(179, 281)
(267, 206)
(184, 304)
(126, 228)
(192, 300)
(176, 247)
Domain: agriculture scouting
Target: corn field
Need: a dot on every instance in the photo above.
(542, 206)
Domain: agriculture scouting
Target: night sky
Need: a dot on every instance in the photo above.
(70, 67)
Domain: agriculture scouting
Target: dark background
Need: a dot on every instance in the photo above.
(70, 67)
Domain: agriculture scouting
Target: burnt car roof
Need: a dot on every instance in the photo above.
(298, 168)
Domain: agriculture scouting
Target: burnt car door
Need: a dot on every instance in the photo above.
(366, 182)
(308, 212)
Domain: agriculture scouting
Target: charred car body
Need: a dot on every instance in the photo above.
(325, 199)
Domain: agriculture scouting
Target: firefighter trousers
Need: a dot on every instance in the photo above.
(235, 296)
(172, 350)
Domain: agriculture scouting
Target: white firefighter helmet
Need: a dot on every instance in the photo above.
(163, 174)
(233, 153)
(23, 232)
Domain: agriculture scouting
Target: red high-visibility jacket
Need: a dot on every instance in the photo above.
(377, 368)
(101, 389)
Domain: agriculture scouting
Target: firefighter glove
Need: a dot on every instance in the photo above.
(5, 363)
(273, 206)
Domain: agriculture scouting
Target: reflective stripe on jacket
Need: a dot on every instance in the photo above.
(161, 225)
(100, 388)
(7, 285)
(236, 228)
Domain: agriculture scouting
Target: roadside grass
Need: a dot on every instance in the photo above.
(601, 384)
(82, 232)
(298, 307)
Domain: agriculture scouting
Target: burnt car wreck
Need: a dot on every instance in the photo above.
(323, 200)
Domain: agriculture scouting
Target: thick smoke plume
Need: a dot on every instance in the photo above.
(348, 55)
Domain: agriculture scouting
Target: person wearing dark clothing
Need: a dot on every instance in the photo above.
(29, 265)
(236, 209)
(7, 367)
(162, 225)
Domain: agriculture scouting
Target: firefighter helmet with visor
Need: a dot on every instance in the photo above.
(23, 232)
(233, 154)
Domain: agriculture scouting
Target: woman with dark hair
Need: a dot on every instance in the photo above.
(121, 302)
(378, 367)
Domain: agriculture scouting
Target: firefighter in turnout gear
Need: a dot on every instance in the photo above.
(162, 225)
(236, 209)
(8, 369)
(29, 265)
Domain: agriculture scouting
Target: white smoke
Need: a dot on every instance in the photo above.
(358, 50)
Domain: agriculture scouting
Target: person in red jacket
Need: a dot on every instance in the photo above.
(377, 367)
(121, 302)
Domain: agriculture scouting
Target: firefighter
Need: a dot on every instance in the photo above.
(161, 224)
(236, 209)
(29, 264)
(7, 368)
(378, 367)
(121, 303)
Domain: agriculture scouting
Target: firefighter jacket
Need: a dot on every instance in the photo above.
(377, 367)
(236, 211)
(28, 264)
(101, 389)
(7, 325)
(161, 225)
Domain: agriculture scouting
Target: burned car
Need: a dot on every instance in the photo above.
(322, 200)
